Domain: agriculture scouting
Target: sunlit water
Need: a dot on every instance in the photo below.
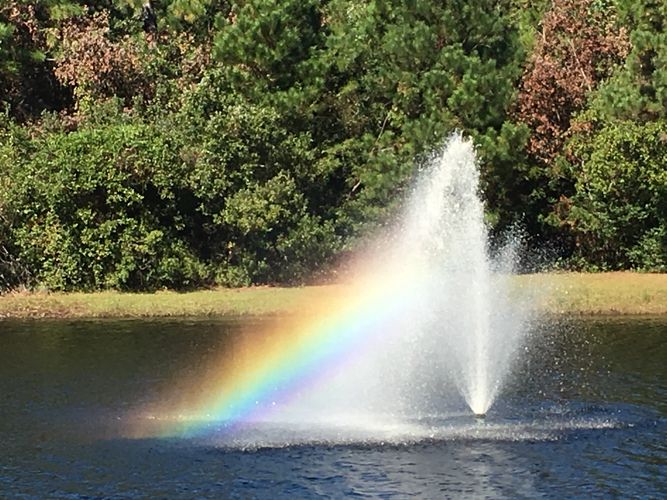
(584, 413)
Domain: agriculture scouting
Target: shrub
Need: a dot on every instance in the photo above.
(98, 208)
(619, 212)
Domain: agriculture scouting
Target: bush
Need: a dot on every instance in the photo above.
(619, 212)
(221, 192)
(100, 207)
(271, 234)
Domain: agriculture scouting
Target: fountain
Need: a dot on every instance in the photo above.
(429, 323)
(468, 315)
(453, 324)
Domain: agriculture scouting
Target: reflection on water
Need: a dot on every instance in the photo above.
(585, 413)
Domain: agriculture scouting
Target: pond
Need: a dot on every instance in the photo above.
(584, 413)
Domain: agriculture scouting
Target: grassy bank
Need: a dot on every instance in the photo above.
(619, 293)
(221, 302)
(567, 293)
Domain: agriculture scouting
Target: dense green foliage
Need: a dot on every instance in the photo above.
(184, 143)
(619, 211)
(616, 212)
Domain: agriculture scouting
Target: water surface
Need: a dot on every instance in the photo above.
(584, 413)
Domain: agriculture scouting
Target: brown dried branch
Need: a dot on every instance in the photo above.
(577, 48)
(94, 64)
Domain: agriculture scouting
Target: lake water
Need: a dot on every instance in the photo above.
(584, 414)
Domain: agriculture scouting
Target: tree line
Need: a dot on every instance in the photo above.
(186, 143)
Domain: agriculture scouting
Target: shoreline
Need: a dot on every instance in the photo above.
(560, 294)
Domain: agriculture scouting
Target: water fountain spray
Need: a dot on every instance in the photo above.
(454, 323)
(429, 320)
(468, 315)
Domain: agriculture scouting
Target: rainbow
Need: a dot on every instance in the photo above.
(272, 366)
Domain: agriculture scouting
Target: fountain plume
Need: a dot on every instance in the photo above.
(454, 321)
(467, 315)
(429, 316)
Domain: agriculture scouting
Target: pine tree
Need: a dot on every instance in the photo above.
(639, 90)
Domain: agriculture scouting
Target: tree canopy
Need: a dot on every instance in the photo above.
(184, 143)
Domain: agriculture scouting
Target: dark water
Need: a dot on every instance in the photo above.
(585, 414)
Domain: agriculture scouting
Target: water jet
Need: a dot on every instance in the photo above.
(468, 324)
(437, 320)
(427, 325)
